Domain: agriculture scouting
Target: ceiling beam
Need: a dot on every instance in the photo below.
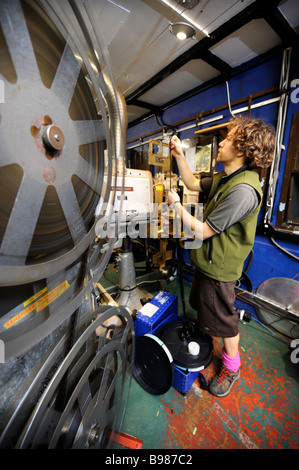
(143, 104)
(207, 57)
(215, 62)
(276, 51)
(201, 50)
(280, 25)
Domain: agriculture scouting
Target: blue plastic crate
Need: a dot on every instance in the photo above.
(162, 309)
(184, 379)
(172, 317)
(161, 306)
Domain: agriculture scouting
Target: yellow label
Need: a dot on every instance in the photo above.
(86, 296)
(40, 304)
(27, 302)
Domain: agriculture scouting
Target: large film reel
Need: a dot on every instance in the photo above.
(62, 130)
(79, 401)
(62, 134)
(60, 114)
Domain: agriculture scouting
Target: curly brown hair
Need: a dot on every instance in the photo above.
(255, 139)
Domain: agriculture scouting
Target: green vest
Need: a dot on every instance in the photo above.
(222, 256)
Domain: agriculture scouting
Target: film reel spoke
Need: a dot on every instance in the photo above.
(99, 411)
(71, 210)
(18, 41)
(91, 407)
(89, 131)
(59, 136)
(19, 232)
(85, 172)
(66, 76)
(104, 393)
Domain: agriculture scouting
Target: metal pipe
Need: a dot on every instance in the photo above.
(284, 80)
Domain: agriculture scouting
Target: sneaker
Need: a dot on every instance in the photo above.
(222, 383)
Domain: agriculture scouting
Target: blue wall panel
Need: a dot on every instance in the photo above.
(251, 81)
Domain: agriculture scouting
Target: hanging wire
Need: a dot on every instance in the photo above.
(228, 99)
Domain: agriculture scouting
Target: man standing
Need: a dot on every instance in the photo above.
(228, 231)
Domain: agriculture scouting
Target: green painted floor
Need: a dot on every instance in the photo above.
(261, 412)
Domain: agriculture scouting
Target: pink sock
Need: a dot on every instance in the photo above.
(231, 363)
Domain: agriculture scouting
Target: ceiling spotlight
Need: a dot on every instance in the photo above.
(182, 30)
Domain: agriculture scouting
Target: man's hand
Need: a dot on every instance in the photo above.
(176, 147)
(189, 179)
(172, 197)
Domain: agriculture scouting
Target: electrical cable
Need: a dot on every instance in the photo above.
(284, 250)
(179, 261)
(277, 335)
(263, 325)
(228, 99)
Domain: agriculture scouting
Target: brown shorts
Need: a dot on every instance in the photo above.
(214, 302)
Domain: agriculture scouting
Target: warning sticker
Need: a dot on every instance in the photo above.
(39, 304)
(27, 302)
(148, 309)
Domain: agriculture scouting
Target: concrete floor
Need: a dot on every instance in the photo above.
(261, 412)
